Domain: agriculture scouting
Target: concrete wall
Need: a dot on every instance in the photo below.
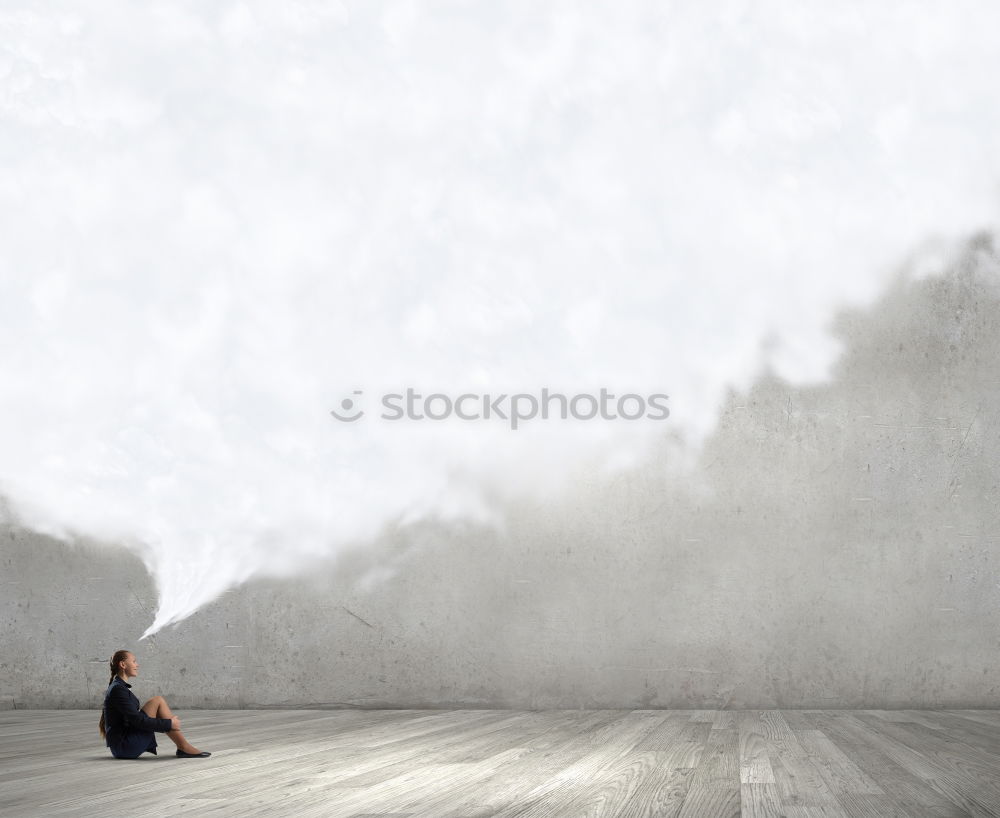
(836, 546)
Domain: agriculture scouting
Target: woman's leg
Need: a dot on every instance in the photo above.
(157, 708)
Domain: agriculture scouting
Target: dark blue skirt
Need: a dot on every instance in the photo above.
(134, 744)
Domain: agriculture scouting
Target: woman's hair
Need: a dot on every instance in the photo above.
(119, 656)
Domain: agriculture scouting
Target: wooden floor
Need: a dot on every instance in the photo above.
(571, 763)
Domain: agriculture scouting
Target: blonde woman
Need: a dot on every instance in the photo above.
(127, 728)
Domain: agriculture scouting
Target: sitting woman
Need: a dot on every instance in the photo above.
(127, 728)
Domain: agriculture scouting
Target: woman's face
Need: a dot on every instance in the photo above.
(129, 666)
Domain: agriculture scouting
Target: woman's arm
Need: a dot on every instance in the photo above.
(127, 705)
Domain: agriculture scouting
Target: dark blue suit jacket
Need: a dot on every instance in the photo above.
(122, 716)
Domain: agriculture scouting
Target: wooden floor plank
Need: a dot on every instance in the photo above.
(755, 766)
(563, 744)
(721, 800)
(761, 801)
(574, 781)
(970, 778)
(868, 750)
(516, 764)
(840, 773)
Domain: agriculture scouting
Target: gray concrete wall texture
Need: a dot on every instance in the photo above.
(835, 546)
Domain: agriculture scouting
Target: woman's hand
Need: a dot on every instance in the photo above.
(175, 723)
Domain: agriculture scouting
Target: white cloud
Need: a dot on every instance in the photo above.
(220, 220)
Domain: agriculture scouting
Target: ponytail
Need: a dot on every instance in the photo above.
(119, 656)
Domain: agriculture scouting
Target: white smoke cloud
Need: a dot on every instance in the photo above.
(219, 220)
